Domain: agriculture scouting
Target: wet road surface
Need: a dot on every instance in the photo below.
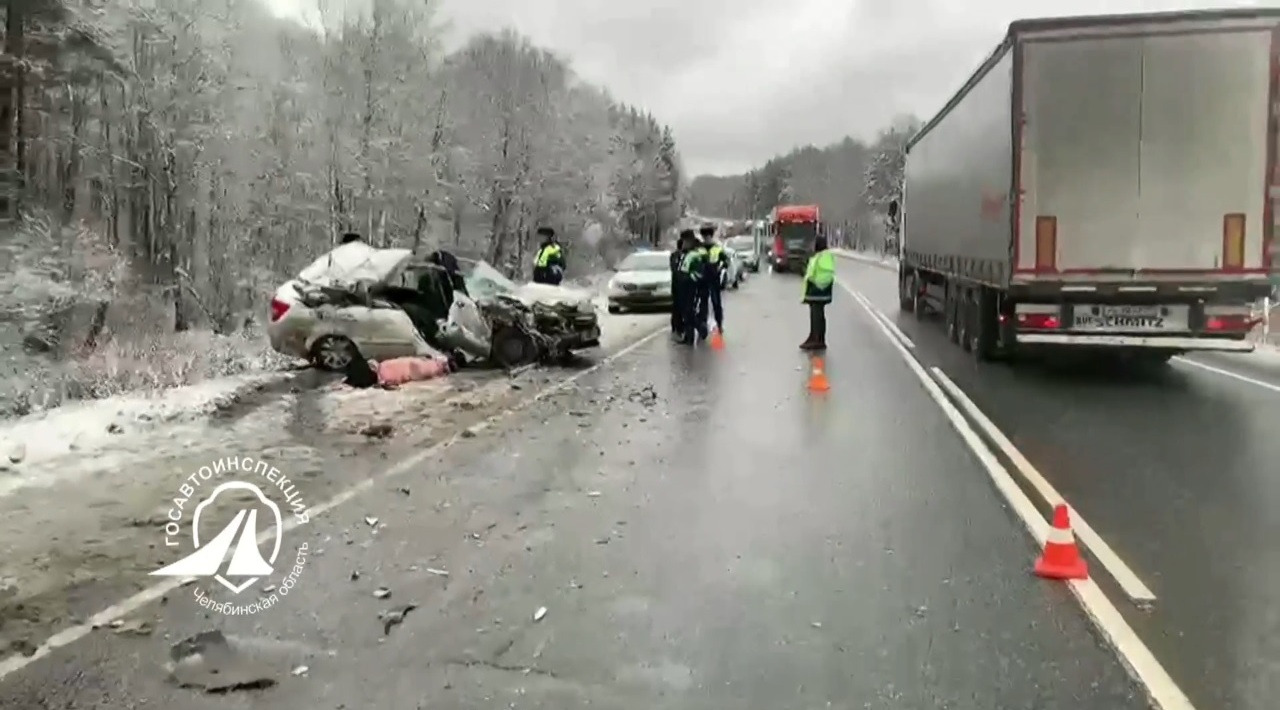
(702, 533)
(1177, 468)
(82, 530)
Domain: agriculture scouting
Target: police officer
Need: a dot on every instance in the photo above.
(717, 266)
(548, 265)
(693, 268)
(679, 286)
(819, 282)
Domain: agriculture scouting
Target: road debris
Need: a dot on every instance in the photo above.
(301, 670)
(540, 613)
(392, 618)
(593, 494)
(371, 521)
(438, 572)
(381, 593)
(17, 452)
(209, 662)
(132, 627)
(378, 431)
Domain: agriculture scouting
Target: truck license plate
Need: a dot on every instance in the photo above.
(1130, 318)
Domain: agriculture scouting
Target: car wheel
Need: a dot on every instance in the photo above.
(615, 310)
(512, 348)
(333, 353)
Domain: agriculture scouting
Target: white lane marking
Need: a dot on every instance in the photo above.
(893, 329)
(1133, 653)
(1121, 572)
(1228, 373)
(70, 635)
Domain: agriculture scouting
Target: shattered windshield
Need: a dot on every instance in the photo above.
(485, 281)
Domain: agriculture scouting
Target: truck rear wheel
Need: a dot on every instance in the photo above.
(950, 309)
(983, 331)
(906, 299)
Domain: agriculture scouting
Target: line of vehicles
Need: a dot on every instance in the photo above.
(1101, 182)
(642, 280)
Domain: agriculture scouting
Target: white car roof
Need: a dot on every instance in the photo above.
(354, 262)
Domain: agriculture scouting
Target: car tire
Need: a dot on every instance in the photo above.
(333, 353)
(615, 310)
(512, 348)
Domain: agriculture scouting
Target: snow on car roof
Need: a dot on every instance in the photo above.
(354, 262)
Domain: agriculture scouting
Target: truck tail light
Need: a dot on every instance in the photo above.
(1233, 242)
(1046, 243)
(1038, 321)
(1230, 323)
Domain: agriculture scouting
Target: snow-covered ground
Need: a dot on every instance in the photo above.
(94, 435)
(83, 427)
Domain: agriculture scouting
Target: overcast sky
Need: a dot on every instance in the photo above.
(742, 80)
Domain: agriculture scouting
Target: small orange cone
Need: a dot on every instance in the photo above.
(818, 376)
(1061, 558)
(717, 340)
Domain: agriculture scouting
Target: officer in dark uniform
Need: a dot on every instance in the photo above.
(693, 268)
(717, 264)
(679, 286)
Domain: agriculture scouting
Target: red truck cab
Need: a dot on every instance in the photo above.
(795, 229)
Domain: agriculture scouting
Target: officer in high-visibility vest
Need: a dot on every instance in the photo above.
(693, 271)
(548, 265)
(819, 284)
(717, 266)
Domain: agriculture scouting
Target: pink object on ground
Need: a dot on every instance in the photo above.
(401, 370)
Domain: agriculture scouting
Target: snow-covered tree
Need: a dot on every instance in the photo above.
(176, 160)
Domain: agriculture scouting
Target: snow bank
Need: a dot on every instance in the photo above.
(32, 383)
(84, 427)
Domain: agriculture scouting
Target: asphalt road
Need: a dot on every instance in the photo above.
(1177, 468)
(701, 531)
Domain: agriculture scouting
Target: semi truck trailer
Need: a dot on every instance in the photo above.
(1103, 182)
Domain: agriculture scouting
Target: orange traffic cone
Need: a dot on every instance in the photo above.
(818, 376)
(1061, 558)
(717, 339)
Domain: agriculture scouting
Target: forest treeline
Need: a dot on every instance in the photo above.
(166, 164)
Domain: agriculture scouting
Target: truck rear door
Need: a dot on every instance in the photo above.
(1141, 150)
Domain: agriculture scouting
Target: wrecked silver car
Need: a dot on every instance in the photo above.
(379, 303)
(525, 323)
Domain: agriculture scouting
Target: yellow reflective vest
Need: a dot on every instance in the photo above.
(546, 254)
